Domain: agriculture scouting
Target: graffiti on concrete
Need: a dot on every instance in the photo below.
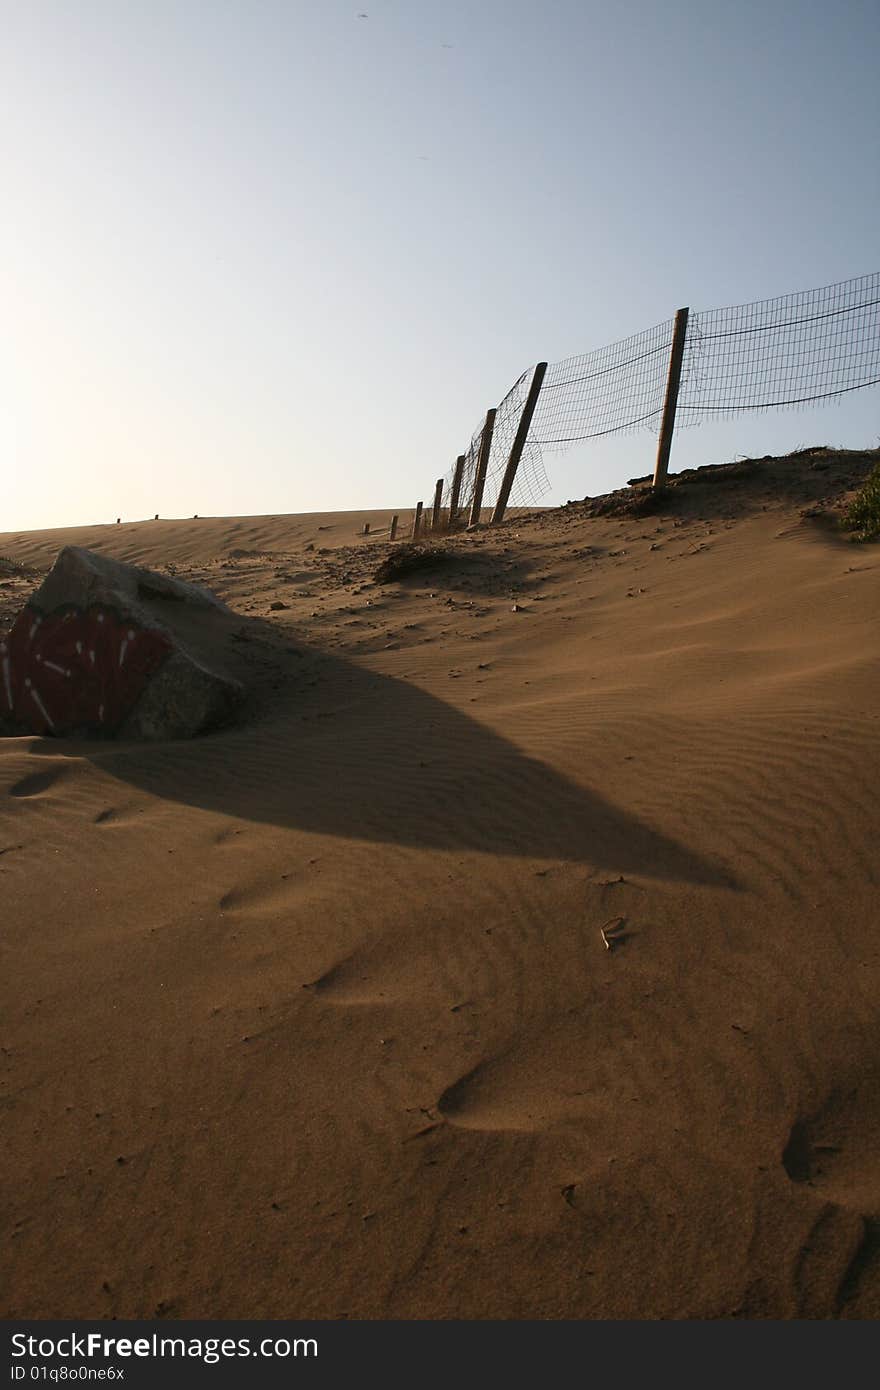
(75, 670)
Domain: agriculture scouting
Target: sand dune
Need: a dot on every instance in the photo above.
(315, 1018)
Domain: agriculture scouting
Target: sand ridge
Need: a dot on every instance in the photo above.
(314, 1017)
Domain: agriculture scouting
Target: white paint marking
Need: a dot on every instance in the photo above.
(42, 708)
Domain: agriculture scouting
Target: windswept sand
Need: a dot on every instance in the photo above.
(314, 1018)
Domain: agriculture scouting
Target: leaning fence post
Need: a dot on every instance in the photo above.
(393, 531)
(519, 442)
(482, 464)
(667, 425)
(438, 503)
(417, 520)
(455, 494)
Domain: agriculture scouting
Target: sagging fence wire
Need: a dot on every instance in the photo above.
(611, 391)
(783, 353)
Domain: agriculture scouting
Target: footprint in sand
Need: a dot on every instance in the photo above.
(835, 1151)
(227, 835)
(347, 984)
(503, 1096)
(37, 782)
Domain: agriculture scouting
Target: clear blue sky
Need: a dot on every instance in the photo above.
(270, 257)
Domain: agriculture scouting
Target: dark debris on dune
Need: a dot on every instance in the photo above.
(818, 474)
(15, 579)
(16, 569)
(406, 559)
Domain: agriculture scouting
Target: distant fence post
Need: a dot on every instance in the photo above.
(455, 494)
(438, 503)
(482, 464)
(393, 531)
(417, 521)
(366, 528)
(667, 425)
(522, 434)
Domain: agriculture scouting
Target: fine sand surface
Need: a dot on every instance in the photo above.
(314, 1017)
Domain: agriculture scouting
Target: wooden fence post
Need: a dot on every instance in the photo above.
(522, 434)
(366, 528)
(393, 531)
(438, 503)
(667, 425)
(456, 490)
(417, 521)
(482, 464)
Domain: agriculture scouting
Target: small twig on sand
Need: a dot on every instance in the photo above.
(611, 932)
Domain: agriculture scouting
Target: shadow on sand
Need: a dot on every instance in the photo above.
(340, 750)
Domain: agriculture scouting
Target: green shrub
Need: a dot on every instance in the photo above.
(863, 513)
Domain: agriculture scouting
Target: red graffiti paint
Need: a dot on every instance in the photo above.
(74, 670)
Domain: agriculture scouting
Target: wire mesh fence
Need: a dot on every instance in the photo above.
(781, 353)
(531, 481)
(614, 390)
